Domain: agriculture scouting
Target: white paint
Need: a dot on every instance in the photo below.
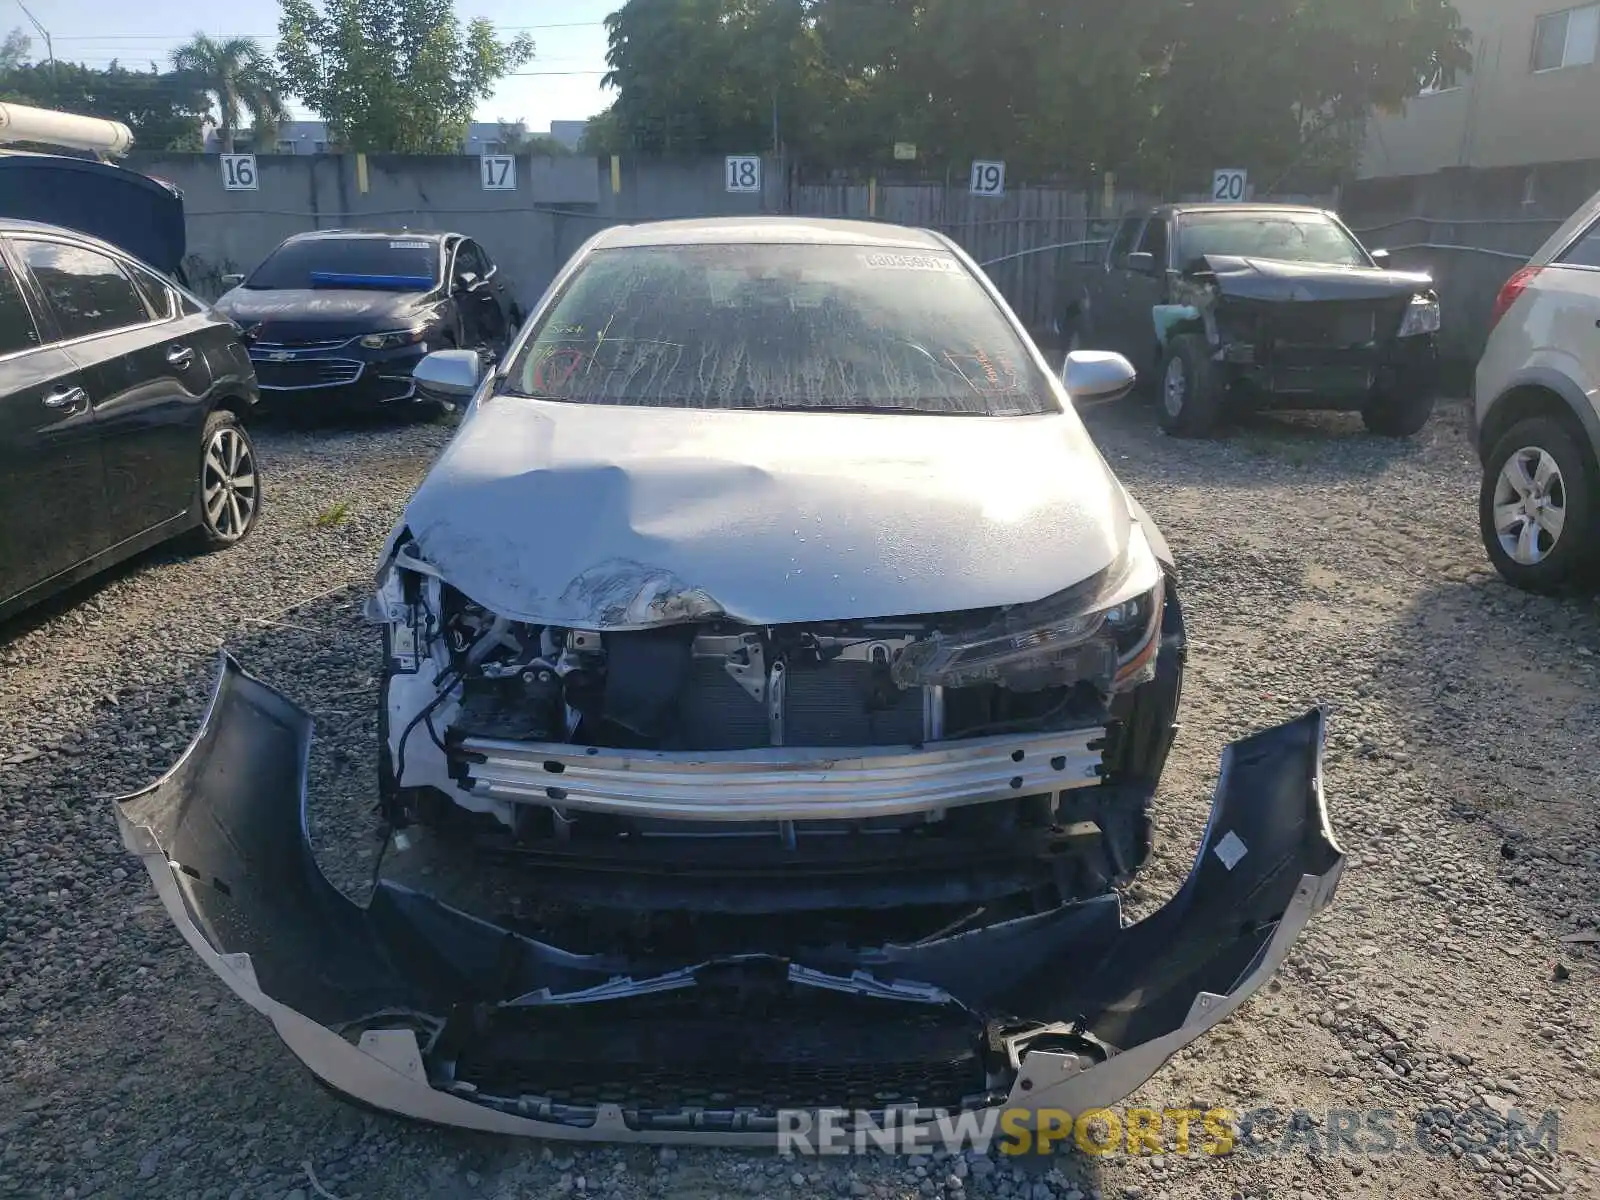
(498, 172)
(742, 173)
(1231, 850)
(988, 178)
(239, 173)
(1230, 185)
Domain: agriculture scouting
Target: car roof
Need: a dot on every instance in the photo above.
(19, 225)
(1180, 210)
(344, 235)
(760, 230)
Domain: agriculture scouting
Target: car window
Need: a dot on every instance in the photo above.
(781, 326)
(1154, 241)
(397, 263)
(1122, 243)
(86, 290)
(155, 293)
(1308, 237)
(17, 330)
(1585, 252)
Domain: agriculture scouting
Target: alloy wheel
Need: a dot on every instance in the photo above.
(228, 484)
(1175, 388)
(1530, 506)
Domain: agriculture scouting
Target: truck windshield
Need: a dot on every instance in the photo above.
(781, 327)
(1286, 237)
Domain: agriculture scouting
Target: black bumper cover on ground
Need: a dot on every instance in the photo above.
(422, 1010)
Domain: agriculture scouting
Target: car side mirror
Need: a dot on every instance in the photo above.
(1142, 262)
(1097, 376)
(1380, 257)
(467, 281)
(449, 374)
(232, 281)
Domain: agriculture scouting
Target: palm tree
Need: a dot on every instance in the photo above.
(239, 75)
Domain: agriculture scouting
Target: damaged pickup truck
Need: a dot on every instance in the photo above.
(1238, 308)
(773, 619)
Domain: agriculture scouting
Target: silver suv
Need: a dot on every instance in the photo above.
(1537, 413)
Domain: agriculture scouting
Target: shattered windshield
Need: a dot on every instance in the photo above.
(1287, 237)
(781, 327)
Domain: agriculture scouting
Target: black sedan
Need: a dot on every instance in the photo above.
(340, 318)
(120, 403)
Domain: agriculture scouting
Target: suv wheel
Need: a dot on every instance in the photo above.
(1536, 509)
(1191, 394)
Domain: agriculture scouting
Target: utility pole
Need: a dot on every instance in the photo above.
(49, 49)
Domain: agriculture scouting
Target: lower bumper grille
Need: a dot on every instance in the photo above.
(307, 373)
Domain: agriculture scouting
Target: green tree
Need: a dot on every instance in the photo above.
(14, 50)
(239, 77)
(393, 76)
(163, 110)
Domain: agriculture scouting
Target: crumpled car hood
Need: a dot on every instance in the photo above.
(607, 517)
(1270, 279)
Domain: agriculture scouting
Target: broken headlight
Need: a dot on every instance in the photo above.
(393, 339)
(1422, 316)
(1104, 629)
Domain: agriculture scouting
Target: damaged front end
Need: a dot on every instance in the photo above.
(1291, 335)
(422, 1010)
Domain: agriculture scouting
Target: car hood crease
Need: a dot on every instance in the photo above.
(612, 517)
(1270, 279)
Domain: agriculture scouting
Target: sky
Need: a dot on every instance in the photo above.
(561, 83)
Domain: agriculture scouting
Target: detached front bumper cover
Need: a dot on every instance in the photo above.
(422, 1010)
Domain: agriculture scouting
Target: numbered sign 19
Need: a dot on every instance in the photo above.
(744, 173)
(239, 173)
(498, 172)
(988, 178)
(1228, 186)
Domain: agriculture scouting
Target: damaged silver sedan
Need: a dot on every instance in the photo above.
(774, 620)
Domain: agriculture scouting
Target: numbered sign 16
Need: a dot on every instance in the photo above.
(744, 173)
(988, 178)
(498, 172)
(1228, 185)
(239, 173)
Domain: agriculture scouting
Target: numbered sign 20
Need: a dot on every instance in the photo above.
(1228, 185)
(239, 173)
(744, 173)
(498, 172)
(988, 178)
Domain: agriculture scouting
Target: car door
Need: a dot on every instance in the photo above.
(1143, 290)
(52, 504)
(1110, 306)
(147, 377)
(479, 294)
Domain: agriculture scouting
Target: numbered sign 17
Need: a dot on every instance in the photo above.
(744, 173)
(239, 173)
(988, 178)
(498, 172)
(1228, 185)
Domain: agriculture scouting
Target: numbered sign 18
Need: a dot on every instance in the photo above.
(744, 173)
(1228, 185)
(239, 173)
(988, 178)
(498, 172)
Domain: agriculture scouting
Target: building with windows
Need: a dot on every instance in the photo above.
(311, 137)
(1532, 97)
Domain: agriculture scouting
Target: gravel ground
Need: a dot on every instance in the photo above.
(1318, 564)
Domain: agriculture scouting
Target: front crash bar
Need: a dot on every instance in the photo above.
(359, 994)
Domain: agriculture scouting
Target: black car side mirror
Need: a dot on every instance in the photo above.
(1142, 262)
(467, 281)
(1380, 257)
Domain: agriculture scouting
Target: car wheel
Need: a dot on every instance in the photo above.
(1388, 416)
(1537, 508)
(1191, 394)
(229, 486)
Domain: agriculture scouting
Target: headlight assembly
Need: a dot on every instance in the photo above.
(1422, 316)
(1106, 629)
(395, 338)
